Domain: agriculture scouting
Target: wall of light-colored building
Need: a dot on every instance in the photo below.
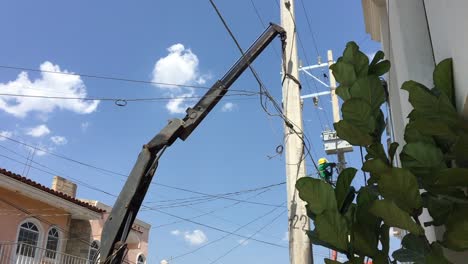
(47, 216)
(416, 35)
(448, 24)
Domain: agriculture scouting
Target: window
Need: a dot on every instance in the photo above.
(94, 252)
(141, 259)
(28, 238)
(52, 243)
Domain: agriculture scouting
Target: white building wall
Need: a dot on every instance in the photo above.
(417, 34)
(448, 23)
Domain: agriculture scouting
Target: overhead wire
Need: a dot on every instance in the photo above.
(264, 91)
(158, 210)
(227, 235)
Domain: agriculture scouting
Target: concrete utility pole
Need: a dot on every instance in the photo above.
(300, 248)
(336, 109)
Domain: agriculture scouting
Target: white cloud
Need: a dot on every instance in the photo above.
(175, 232)
(84, 126)
(286, 236)
(180, 66)
(49, 84)
(228, 107)
(197, 237)
(5, 134)
(59, 140)
(39, 131)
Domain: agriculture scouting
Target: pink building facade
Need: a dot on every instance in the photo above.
(50, 226)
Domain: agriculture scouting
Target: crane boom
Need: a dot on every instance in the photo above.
(127, 205)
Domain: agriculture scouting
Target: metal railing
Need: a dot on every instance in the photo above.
(21, 253)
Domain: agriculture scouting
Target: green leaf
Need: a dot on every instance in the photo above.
(452, 177)
(376, 167)
(379, 55)
(430, 127)
(318, 194)
(343, 92)
(460, 150)
(415, 249)
(370, 89)
(443, 79)
(376, 151)
(380, 68)
(365, 199)
(344, 73)
(456, 233)
(358, 112)
(342, 185)
(438, 208)
(331, 227)
(394, 216)
(365, 240)
(380, 125)
(347, 131)
(436, 256)
(422, 159)
(392, 150)
(314, 239)
(401, 186)
(412, 135)
(358, 59)
(427, 103)
(384, 235)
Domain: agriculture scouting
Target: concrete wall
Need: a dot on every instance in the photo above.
(46, 216)
(448, 24)
(417, 34)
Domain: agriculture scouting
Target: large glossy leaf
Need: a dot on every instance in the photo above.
(436, 256)
(438, 208)
(380, 125)
(347, 131)
(415, 249)
(392, 150)
(365, 240)
(429, 127)
(456, 233)
(401, 186)
(365, 199)
(384, 234)
(314, 239)
(376, 151)
(370, 89)
(376, 167)
(318, 194)
(426, 103)
(394, 216)
(422, 159)
(379, 55)
(443, 79)
(331, 227)
(460, 150)
(358, 112)
(412, 135)
(344, 73)
(343, 92)
(380, 68)
(452, 177)
(357, 58)
(342, 185)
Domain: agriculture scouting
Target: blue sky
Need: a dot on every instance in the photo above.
(175, 42)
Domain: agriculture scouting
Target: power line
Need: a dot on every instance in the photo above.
(250, 237)
(110, 78)
(158, 210)
(227, 235)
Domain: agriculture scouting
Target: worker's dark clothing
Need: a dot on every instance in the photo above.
(326, 170)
